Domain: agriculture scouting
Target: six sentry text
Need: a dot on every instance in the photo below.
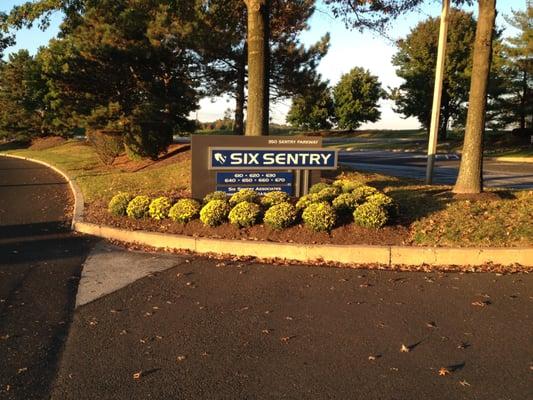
(290, 159)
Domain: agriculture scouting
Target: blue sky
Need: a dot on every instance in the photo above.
(348, 49)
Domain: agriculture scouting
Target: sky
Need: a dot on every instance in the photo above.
(348, 49)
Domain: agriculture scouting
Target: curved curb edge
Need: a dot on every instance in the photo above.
(79, 203)
(344, 254)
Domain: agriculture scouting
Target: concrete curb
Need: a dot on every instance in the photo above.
(528, 160)
(77, 213)
(344, 254)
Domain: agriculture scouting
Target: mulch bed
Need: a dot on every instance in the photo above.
(175, 153)
(96, 213)
(46, 142)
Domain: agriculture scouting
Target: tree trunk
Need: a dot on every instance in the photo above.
(238, 127)
(470, 179)
(258, 67)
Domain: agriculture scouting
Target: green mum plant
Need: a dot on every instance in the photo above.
(280, 216)
(328, 194)
(218, 195)
(215, 212)
(272, 198)
(248, 195)
(119, 203)
(138, 207)
(159, 208)
(317, 187)
(347, 185)
(305, 201)
(370, 215)
(345, 203)
(363, 192)
(185, 210)
(244, 214)
(320, 216)
(387, 202)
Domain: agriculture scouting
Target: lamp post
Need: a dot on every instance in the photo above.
(437, 91)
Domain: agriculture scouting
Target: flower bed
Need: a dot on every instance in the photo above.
(324, 208)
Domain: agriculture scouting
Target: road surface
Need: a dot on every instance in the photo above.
(413, 165)
(40, 264)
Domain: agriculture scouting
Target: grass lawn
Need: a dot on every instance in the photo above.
(432, 214)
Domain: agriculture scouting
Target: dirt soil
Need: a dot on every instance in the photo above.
(97, 213)
(175, 153)
(46, 142)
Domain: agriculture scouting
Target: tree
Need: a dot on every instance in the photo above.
(416, 61)
(258, 67)
(223, 45)
(126, 66)
(377, 15)
(313, 109)
(517, 106)
(22, 94)
(356, 98)
(470, 178)
(5, 39)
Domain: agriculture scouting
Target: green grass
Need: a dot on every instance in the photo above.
(431, 213)
(97, 181)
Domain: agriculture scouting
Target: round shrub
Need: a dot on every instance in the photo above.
(218, 195)
(387, 202)
(159, 207)
(215, 212)
(138, 207)
(272, 198)
(363, 192)
(317, 187)
(185, 210)
(328, 194)
(119, 203)
(320, 216)
(280, 216)
(244, 214)
(345, 203)
(306, 200)
(347, 185)
(370, 215)
(248, 195)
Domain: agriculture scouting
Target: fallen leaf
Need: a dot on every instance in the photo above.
(444, 371)
(481, 303)
(266, 331)
(286, 339)
(404, 349)
(464, 383)
(431, 324)
(180, 358)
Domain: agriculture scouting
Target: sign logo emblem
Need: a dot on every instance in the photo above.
(220, 158)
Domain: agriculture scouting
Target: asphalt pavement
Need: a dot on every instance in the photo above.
(517, 175)
(208, 329)
(40, 264)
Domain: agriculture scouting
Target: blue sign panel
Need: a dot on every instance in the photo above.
(259, 189)
(271, 159)
(254, 178)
